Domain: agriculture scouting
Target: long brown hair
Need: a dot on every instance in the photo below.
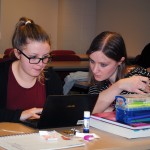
(113, 46)
(27, 30)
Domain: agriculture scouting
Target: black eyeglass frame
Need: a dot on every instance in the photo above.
(49, 58)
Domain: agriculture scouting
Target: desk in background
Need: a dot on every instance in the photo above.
(107, 141)
(63, 68)
(83, 57)
(69, 65)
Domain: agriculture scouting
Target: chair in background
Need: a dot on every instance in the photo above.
(8, 55)
(65, 57)
(62, 52)
(1, 59)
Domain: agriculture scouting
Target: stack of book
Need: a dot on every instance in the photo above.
(106, 122)
(130, 120)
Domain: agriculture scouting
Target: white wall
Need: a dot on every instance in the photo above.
(73, 24)
(131, 18)
(43, 12)
(77, 24)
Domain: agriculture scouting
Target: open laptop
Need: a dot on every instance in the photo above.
(63, 111)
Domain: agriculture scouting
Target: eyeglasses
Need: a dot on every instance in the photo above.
(34, 60)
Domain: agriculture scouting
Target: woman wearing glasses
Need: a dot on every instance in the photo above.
(24, 84)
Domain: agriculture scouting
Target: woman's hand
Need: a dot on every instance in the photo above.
(33, 113)
(136, 84)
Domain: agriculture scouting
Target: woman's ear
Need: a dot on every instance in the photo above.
(17, 54)
(121, 61)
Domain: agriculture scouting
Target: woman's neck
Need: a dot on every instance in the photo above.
(112, 79)
(22, 78)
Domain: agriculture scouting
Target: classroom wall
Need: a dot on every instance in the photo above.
(76, 24)
(128, 17)
(72, 24)
(43, 12)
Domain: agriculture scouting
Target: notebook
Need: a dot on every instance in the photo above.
(63, 111)
(35, 141)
